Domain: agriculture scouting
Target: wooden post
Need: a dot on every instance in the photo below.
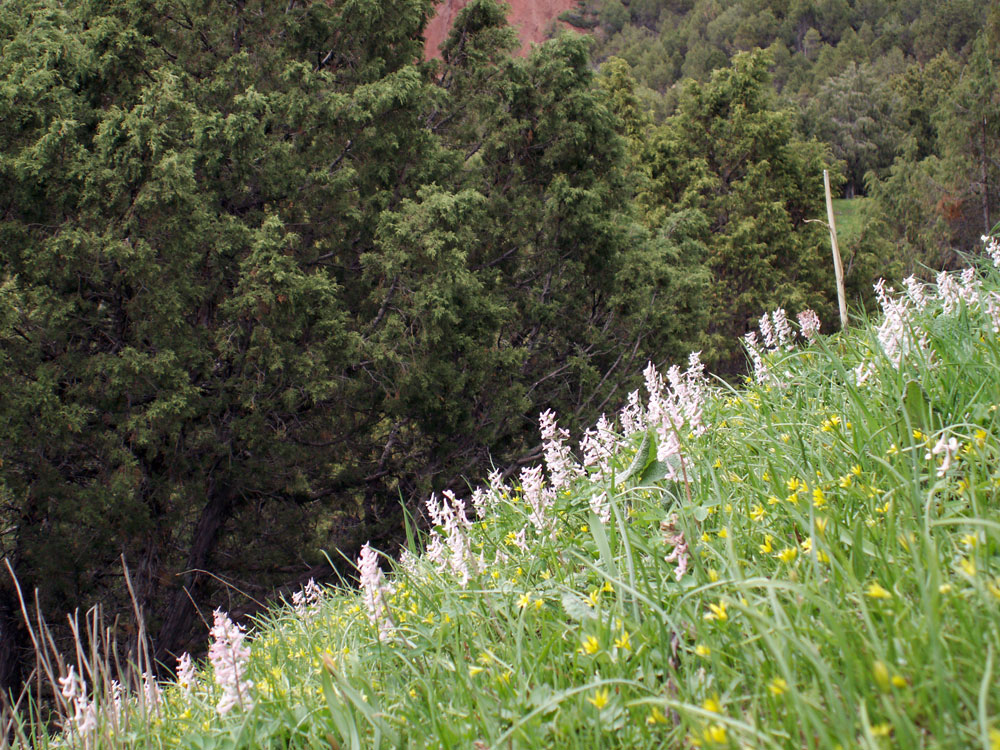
(838, 266)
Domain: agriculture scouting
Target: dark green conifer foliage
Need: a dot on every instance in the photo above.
(266, 273)
(730, 156)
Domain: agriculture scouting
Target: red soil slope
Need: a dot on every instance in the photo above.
(533, 20)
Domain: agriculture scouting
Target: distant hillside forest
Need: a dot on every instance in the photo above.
(268, 278)
(903, 91)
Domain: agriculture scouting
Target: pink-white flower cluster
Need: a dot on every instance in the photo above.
(898, 334)
(600, 504)
(562, 467)
(949, 448)
(306, 601)
(374, 592)
(777, 331)
(151, 692)
(229, 657)
(917, 292)
(992, 248)
(486, 499)
(632, 418)
(453, 549)
(776, 335)
(598, 446)
(73, 688)
(949, 292)
(539, 499)
(993, 310)
(680, 554)
(809, 324)
(185, 673)
(674, 406)
(761, 372)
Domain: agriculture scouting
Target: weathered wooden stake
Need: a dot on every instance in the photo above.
(838, 265)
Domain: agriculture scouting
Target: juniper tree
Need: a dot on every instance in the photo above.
(266, 274)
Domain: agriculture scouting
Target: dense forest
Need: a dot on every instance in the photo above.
(268, 278)
(904, 92)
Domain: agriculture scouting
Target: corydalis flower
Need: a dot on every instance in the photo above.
(897, 334)
(601, 506)
(229, 657)
(538, 497)
(373, 592)
(949, 292)
(558, 457)
(453, 550)
(633, 417)
(598, 447)
(674, 537)
(993, 310)
(484, 500)
(992, 248)
(307, 600)
(150, 690)
(949, 448)
(782, 327)
(74, 690)
(917, 292)
(674, 406)
(761, 372)
(809, 323)
(185, 673)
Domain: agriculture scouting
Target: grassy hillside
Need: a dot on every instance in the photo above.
(847, 214)
(809, 561)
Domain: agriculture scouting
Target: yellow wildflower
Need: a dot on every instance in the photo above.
(600, 699)
(623, 641)
(757, 512)
(656, 716)
(819, 499)
(717, 612)
(712, 704)
(882, 730)
(880, 673)
(778, 686)
(702, 650)
(766, 547)
(590, 646)
(875, 591)
(788, 554)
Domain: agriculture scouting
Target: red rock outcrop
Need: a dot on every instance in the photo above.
(533, 20)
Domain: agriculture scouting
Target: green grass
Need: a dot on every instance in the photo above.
(847, 214)
(842, 588)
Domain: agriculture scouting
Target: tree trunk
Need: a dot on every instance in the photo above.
(180, 611)
(13, 644)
